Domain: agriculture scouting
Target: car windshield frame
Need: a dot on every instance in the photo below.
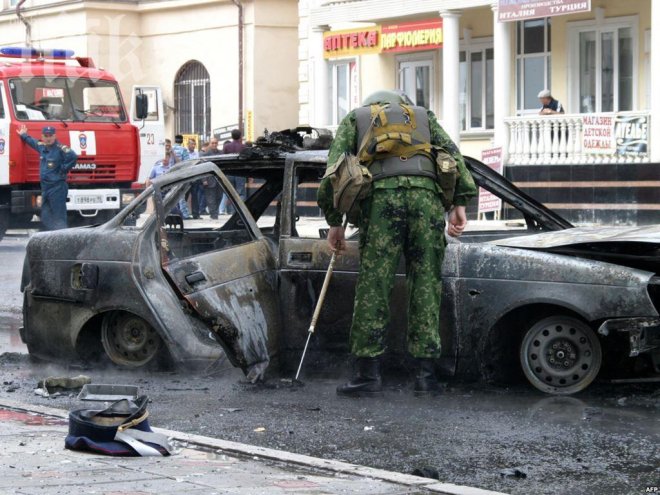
(66, 99)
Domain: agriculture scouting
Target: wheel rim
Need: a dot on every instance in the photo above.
(560, 355)
(129, 341)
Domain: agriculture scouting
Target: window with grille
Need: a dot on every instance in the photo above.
(192, 94)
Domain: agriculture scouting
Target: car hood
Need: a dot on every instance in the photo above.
(585, 235)
(634, 247)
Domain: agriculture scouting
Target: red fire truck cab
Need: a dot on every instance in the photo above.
(84, 104)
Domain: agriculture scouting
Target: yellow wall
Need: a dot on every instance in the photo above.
(480, 21)
(275, 58)
(150, 42)
(613, 8)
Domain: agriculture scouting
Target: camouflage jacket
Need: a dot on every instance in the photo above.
(346, 142)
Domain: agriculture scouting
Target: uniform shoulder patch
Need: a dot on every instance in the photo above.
(66, 149)
(41, 143)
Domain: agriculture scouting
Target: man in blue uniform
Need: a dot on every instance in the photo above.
(55, 161)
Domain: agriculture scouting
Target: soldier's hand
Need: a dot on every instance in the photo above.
(336, 239)
(22, 130)
(457, 221)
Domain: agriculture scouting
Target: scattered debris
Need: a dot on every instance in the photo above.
(231, 409)
(292, 382)
(56, 385)
(513, 473)
(427, 472)
(314, 408)
(102, 392)
(261, 429)
(368, 428)
(11, 386)
(191, 389)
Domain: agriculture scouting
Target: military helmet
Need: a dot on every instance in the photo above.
(392, 96)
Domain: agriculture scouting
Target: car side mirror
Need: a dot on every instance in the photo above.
(141, 106)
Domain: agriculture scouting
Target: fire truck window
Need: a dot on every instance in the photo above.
(2, 107)
(152, 108)
(60, 98)
(100, 102)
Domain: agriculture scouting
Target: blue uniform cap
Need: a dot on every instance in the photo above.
(49, 130)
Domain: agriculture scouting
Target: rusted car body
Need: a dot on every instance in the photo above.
(546, 298)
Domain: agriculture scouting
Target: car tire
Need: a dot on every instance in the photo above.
(129, 341)
(560, 355)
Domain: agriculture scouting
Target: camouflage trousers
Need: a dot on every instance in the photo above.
(395, 221)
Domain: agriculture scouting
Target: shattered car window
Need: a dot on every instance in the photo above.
(187, 236)
(138, 214)
(309, 221)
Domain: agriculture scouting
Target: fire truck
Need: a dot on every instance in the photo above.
(40, 87)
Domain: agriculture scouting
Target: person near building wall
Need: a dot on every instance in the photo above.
(211, 187)
(403, 213)
(196, 190)
(236, 145)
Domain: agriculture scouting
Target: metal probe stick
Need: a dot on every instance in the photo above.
(319, 303)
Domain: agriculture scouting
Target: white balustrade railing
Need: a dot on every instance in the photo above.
(561, 139)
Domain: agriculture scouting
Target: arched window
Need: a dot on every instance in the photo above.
(192, 94)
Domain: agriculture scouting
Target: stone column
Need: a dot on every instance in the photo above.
(654, 134)
(450, 114)
(320, 96)
(502, 84)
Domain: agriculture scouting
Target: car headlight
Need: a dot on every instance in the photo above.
(127, 198)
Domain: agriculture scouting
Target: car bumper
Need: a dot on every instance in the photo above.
(643, 333)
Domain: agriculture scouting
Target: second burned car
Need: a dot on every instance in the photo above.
(555, 302)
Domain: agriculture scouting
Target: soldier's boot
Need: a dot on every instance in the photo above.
(426, 382)
(366, 381)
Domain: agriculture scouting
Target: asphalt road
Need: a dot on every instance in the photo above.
(603, 441)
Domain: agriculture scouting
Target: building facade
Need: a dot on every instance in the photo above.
(479, 65)
(188, 48)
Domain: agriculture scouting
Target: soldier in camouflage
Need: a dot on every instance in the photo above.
(402, 214)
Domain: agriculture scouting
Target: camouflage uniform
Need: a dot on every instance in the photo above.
(402, 214)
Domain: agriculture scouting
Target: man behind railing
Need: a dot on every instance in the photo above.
(550, 105)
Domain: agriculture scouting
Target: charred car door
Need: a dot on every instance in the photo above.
(304, 258)
(223, 268)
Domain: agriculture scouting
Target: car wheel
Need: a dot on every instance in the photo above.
(560, 355)
(129, 341)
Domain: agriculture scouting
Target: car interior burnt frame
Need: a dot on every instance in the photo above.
(163, 285)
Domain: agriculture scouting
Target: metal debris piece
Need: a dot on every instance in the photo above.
(108, 393)
(513, 473)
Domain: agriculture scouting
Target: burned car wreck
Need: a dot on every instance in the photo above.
(553, 301)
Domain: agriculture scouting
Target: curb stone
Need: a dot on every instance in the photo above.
(333, 466)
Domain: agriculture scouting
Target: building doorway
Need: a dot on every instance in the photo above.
(192, 94)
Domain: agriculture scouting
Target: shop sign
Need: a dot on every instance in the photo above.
(516, 10)
(412, 36)
(632, 134)
(487, 200)
(351, 42)
(598, 134)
